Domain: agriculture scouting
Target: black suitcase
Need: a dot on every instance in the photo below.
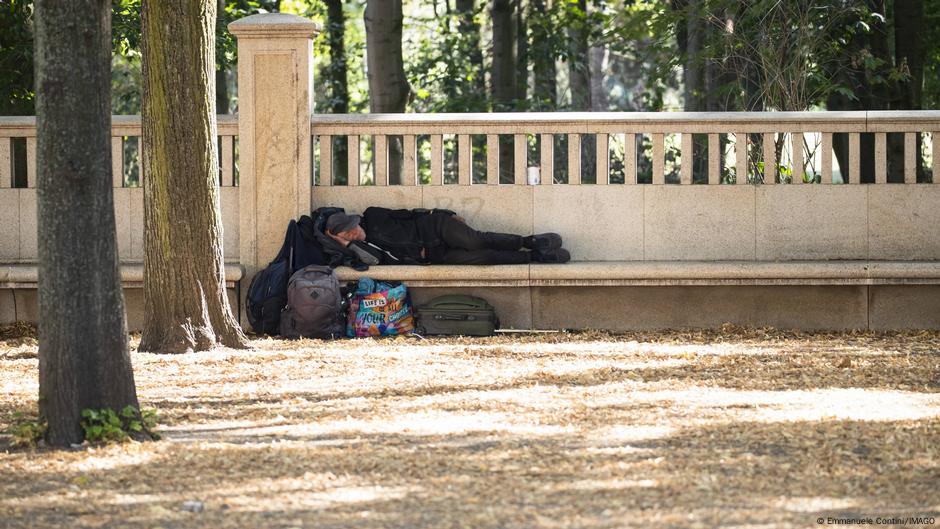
(456, 314)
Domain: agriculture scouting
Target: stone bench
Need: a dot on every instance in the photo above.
(19, 301)
(625, 295)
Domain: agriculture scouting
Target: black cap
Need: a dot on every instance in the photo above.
(339, 222)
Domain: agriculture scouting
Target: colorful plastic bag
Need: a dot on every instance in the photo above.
(379, 309)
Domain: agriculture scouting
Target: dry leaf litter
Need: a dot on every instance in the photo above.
(724, 428)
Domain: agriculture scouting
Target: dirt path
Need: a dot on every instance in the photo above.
(731, 428)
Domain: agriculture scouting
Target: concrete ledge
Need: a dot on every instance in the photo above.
(132, 275)
(661, 273)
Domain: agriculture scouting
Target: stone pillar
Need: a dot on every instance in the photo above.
(275, 100)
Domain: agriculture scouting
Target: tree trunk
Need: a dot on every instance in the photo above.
(388, 88)
(545, 94)
(221, 86)
(503, 69)
(599, 66)
(83, 354)
(692, 70)
(184, 285)
(869, 96)
(470, 30)
(522, 54)
(579, 72)
(909, 51)
(337, 79)
(579, 76)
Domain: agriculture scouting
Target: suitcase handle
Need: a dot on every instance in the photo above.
(454, 317)
(458, 305)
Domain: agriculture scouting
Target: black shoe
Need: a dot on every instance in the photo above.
(543, 242)
(556, 255)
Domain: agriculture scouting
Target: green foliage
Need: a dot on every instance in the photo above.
(16, 58)
(107, 426)
(27, 430)
(440, 66)
(326, 94)
(931, 39)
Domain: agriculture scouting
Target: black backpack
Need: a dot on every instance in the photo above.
(267, 294)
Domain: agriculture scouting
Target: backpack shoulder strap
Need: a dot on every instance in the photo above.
(285, 251)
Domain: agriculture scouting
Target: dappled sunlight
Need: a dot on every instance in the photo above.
(772, 406)
(548, 431)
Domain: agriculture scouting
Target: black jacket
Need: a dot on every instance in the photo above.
(404, 233)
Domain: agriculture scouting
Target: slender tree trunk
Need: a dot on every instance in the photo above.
(693, 74)
(503, 74)
(579, 76)
(470, 30)
(909, 51)
(83, 355)
(388, 88)
(599, 66)
(579, 71)
(522, 54)
(337, 78)
(545, 95)
(221, 85)
(184, 285)
(503, 69)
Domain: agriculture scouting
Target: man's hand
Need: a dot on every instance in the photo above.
(337, 238)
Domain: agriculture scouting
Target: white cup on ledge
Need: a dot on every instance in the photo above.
(533, 176)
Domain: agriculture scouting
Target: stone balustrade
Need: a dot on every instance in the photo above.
(653, 229)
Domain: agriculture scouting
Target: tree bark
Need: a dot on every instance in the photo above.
(579, 72)
(909, 51)
(869, 96)
(503, 69)
(522, 53)
(579, 76)
(470, 30)
(337, 78)
(388, 87)
(184, 285)
(221, 86)
(545, 94)
(83, 353)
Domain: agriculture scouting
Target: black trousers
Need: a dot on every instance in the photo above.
(467, 246)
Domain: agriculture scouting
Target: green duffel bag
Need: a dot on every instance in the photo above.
(456, 315)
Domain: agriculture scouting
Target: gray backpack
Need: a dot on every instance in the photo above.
(314, 305)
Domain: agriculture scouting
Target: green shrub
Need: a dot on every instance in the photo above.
(27, 431)
(107, 426)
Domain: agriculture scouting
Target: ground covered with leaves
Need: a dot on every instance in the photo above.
(725, 428)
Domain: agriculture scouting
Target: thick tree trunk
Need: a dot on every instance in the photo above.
(337, 78)
(184, 285)
(388, 88)
(83, 355)
(545, 94)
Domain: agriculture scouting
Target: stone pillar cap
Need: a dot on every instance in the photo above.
(277, 25)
